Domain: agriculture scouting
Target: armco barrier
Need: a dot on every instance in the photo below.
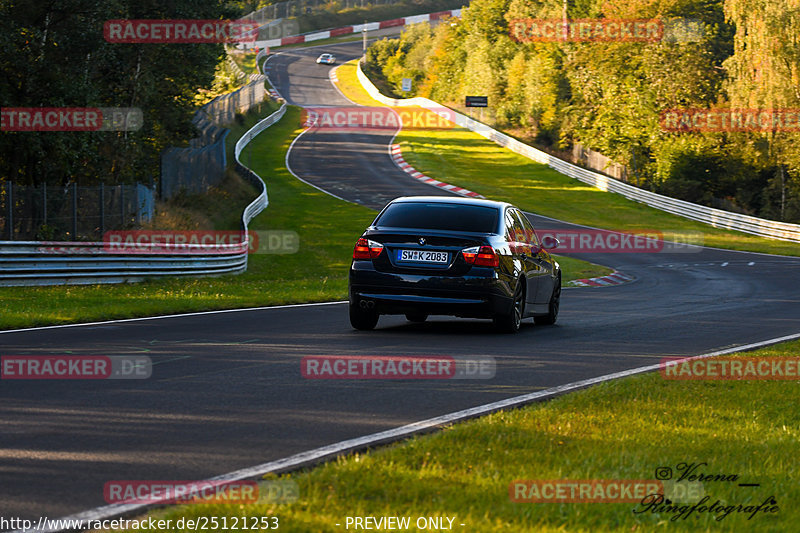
(356, 28)
(260, 203)
(56, 263)
(708, 215)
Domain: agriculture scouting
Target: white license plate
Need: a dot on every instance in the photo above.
(423, 256)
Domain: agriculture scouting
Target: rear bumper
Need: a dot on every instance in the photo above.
(482, 295)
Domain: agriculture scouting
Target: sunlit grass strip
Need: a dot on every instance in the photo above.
(246, 61)
(466, 159)
(573, 269)
(625, 429)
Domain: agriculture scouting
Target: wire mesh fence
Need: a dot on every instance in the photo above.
(202, 165)
(85, 213)
(71, 213)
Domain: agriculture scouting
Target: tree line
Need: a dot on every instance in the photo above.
(55, 55)
(612, 95)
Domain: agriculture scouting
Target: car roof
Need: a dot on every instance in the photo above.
(452, 200)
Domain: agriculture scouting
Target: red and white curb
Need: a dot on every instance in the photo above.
(332, 75)
(397, 157)
(615, 278)
(358, 28)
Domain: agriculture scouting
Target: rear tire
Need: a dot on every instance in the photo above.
(362, 319)
(555, 302)
(417, 317)
(510, 323)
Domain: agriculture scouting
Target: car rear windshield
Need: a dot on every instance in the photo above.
(440, 216)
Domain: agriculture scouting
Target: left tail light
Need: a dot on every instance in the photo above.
(367, 249)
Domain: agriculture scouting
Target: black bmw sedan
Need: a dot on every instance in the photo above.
(434, 255)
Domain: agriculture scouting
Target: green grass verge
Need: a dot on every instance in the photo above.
(245, 61)
(243, 123)
(466, 159)
(327, 229)
(572, 269)
(624, 429)
(348, 83)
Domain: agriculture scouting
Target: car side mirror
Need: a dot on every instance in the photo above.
(548, 242)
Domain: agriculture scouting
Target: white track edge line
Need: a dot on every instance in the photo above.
(179, 315)
(318, 454)
(289, 168)
(289, 150)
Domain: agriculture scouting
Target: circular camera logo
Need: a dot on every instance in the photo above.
(663, 473)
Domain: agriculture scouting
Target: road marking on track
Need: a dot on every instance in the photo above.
(179, 315)
(179, 358)
(615, 278)
(317, 455)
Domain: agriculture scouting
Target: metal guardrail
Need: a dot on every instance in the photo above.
(708, 215)
(56, 263)
(262, 201)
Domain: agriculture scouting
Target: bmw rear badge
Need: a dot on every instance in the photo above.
(422, 241)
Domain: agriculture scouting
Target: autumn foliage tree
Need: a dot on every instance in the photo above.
(609, 96)
(55, 55)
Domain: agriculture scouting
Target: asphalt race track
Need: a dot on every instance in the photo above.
(353, 166)
(226, 390)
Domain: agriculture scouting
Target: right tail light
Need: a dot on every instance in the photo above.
(481, 256)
